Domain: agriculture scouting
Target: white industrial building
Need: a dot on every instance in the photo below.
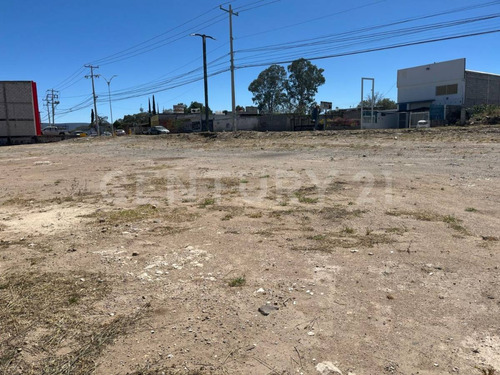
(441, 92)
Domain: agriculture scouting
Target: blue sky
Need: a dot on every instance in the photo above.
(147, 45)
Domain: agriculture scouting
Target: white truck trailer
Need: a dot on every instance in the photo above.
(19, 114)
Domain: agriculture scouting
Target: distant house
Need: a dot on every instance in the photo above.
(441, 92)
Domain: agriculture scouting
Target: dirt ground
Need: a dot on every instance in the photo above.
(372, 252)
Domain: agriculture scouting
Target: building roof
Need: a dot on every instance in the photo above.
(477, 71)
(418, 101)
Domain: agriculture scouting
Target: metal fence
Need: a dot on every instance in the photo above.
(415, 117)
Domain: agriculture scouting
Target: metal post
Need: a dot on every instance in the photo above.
(205, 77)
(110, 108)
(362, 104)
(48, 107)
(205, 80)
(53, 108)
(52, 96)
(92, 75)
(362, 99)
(233, 96)
(373, 99)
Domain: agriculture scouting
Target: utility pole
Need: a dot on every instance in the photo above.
(110, 108)
(233, 97)
(52, 97)
(204, 37)
(92, 75)
(47, 102)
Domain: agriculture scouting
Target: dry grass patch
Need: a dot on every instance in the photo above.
(17, 201)
(7, 244)
(131, 215)
(144, 212)
(453, 222)
(302, 195)
(157, 369)
(336, 186)
(346, 238)
(255, 215)
(337, 213)
(207, 202)
(230, 182)
(396, 230)
(44, 314)
(417, 215)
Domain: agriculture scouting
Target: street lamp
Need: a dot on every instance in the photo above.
(110, 109)
(204, 37)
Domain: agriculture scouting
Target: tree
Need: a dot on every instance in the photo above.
(154, 106)
(379, 102)
(196, 105)
(387, 103)
(103, 121)
(269, 89)
(132, 120)
(303, 83)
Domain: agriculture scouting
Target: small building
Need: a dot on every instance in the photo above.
(441, 92)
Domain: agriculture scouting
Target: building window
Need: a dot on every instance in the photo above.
(447, 89)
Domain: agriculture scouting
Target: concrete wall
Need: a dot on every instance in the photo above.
(19, 114)
(275, 123)
(388, 120)
(419, 83)
(481, 88)
(384, 120)
(225, 123)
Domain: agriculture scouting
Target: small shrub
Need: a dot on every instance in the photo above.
(255, 215)
(303, 199)
(348, 230)
(227, 217)
(237, 282)
(207, 202)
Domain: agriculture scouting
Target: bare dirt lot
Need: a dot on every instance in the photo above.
(372, 252)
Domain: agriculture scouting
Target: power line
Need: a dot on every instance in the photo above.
(295, 24)
(311, 20)
(355, 34)
(368, 50)
(242, 9)
(76, 74)
(330, 42)
(147, 46)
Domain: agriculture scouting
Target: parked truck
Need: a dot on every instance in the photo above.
(19, 113)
